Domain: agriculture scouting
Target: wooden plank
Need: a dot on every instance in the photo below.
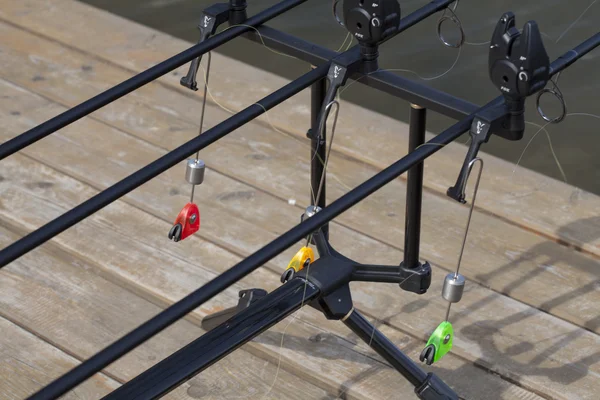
(151, 276)
(27, 363)
(499, 255)
(527, 199)
(81, 312)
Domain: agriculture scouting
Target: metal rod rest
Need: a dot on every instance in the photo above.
(250, 263)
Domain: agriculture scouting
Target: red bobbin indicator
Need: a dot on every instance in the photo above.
(187, 223)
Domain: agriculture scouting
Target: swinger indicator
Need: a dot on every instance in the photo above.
(301, 260)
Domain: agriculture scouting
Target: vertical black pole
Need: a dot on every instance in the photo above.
(318, 147)
(414, 189)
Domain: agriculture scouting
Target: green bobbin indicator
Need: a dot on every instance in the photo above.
(439, 343)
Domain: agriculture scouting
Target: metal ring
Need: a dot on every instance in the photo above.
(457, 22)
(339, 21)
(559, 96)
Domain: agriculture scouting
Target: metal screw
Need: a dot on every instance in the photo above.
(193, 218)
(446, 339)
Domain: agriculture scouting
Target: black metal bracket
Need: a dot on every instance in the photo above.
(483, 126)
(341, 68)
(341, 268)
(212, 17)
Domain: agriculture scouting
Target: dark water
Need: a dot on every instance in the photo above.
(576, 140)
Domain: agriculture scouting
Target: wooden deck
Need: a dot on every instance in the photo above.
(528, 324)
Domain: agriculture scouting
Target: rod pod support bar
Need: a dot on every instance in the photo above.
(212, 17)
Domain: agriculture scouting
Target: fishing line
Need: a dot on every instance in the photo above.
(205, 76)
(576, 21)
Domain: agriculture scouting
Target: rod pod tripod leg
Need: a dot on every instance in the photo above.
(427, 385)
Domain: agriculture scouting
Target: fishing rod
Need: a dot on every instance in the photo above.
(360, 63)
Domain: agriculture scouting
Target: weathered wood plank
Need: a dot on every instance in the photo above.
(304, 357)
(27, 363)
(81, 312)
(153, 276)
(528, 199)
(499, 255)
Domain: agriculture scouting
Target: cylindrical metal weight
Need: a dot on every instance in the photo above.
(453, 288)
(194, 171)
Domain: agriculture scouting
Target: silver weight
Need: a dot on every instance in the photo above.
(194, 171)
(454, 286)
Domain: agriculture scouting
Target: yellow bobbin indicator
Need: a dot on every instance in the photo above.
(303, 257)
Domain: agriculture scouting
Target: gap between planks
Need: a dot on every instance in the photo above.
(342, 222)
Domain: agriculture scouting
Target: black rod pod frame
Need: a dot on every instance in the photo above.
(320, 57)
(519, 67)
(372, 23)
